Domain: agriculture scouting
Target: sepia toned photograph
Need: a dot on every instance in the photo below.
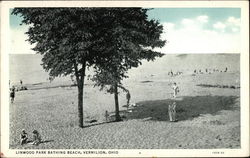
(114, 78)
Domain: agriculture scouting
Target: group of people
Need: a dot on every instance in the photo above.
(13, 90)
(174, 74)
(171, 107)
(198, 71)
(37, 137)
(209, 71)
(24, 137)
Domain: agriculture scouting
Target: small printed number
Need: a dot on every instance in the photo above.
(218, 152)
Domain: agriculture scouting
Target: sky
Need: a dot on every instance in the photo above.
(186, 30)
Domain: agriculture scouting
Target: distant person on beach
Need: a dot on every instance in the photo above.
(36, 138)
(225, 70)
(171, 73)
(23, 137)
(50, 79)
(12, 94)
(176, 90)
(128, 97)
(178, 73)
(107, 116)
(21, 82)
(172, 112)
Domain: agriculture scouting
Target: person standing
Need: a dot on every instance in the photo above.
(176, 90)
(172, 107)
(225, 70)
(172, 112)
(128, 97)
(12, 94)
(172, 74)
(107, 116)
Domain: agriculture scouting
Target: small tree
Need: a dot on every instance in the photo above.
(110, 81)
(131, 38)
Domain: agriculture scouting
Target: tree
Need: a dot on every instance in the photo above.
(131, 38)
(109, 39)
(66, 38)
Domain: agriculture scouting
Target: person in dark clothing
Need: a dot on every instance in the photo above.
(36, 138)
(128, 97)
(23, 137)
(12, 94)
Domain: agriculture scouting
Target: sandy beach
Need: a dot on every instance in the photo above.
(208, 108)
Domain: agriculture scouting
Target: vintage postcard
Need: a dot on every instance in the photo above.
(124, 79)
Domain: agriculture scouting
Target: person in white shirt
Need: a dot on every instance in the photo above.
(176, 90)
(172, 112)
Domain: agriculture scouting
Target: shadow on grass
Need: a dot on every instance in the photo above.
(96, 124)
(46, 141)
(218, 86)
(28, 144)
(186, 108)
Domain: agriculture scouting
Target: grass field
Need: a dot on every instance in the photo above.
(209, 116)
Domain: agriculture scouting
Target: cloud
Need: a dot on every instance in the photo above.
(194, 23)
(233, 21)
(203, 18)
(219, 25)
(192, 37)
(234, 29)
(168, 26)
(190, 24)
(186, 36)
(187, 22)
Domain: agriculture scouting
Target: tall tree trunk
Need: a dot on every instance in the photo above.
(80, 106)
(117, 115)
(80, 75)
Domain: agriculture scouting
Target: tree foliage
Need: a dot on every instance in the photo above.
(130, 37)
(112, 40)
